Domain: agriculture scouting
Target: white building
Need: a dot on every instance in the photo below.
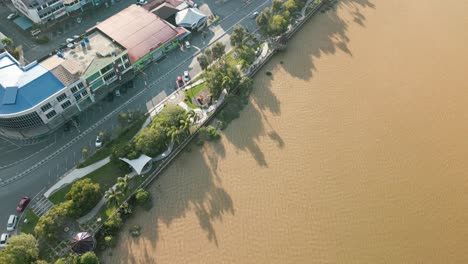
(41, 11)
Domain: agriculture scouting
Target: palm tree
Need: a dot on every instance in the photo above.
(122, 184)
(174, 133)
(113, 197)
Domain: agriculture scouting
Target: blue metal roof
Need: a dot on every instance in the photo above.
(10, 96)
(33, 84)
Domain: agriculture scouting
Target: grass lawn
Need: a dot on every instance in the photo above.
(192, 92)
(106, 176)
(32, 221)
(123, 138)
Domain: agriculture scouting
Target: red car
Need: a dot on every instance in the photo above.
(23, 203)
(180, 81)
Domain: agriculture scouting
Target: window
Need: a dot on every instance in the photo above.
(24, 121)
(84, 93)
(106, 69)
(80, 85)
(109, 76)
(78, 97)
(51, 114)
(46, 107)
(66, 104)
(74, 89)
(61, 97)
(93, 77)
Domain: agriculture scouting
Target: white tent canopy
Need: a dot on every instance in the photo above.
(139, 163)
(190, 18)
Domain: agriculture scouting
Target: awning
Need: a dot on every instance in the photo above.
(23, 23)
(139, 163)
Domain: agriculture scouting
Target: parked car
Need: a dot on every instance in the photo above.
(12, 16)
(23, 203)
(141, 2)
(117, 93)
(186, 76)
(180, 81)
(254, 15)
(98, 142)
(69, 40)
(4, 239)
(187, 44)
(12, 222)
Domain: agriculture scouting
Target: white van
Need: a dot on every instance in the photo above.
(12, 221)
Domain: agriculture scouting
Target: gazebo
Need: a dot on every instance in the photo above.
(82, 242)
(138, 164)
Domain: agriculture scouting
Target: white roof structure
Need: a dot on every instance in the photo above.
(139, 163)
(190, 18)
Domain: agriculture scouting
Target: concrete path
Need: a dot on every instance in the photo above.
(304, 9)
(75, 175)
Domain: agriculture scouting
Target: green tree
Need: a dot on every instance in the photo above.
(84, 195)
(263, 20)
(237, 36)
(277, 6)
(41, 262)
(247, 56)
(174, 133)
(203, 61)
(112, 225)
(278, 25)
(291, 5)
(7, 42)
(104, 136)
(49, 224)
(113, 197)
(20, 249)
(151, 141)
(122, 183)
(224, 76)
(218, 50)
(142, 196)
(85, 152)
(209, 54)
(89, 258)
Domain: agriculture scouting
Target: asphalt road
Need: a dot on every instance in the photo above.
(47, 161)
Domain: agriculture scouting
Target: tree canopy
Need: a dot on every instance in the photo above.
(84, 195)
(223, 76)
(218, 50)
(20, 249)
(237, 36)
(89, 258)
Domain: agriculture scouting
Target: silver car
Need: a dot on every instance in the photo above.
(4, 239)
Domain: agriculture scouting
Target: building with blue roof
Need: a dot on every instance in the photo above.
(38, 98)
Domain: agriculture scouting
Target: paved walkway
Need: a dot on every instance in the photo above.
(75, 175)
(304, 9)
(102, 202)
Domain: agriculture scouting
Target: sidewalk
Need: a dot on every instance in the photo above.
(75, 175)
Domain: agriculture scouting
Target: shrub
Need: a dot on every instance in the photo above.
(110, 241)
(112, 225)
(209, 133)
(89, 258)
(135, 230)
(143, 198)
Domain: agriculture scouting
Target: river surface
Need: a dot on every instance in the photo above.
(355, 150)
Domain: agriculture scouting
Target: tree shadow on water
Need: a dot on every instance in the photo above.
(187, 187)
(329, 35)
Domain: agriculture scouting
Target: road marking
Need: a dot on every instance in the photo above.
(118, 109)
